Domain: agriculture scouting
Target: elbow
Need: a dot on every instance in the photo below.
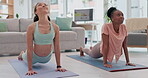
(57, 49)
(105, 49)
(29, 50)
(30, 47)
(124, 45)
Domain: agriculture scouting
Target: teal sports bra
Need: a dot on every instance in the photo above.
(43, 39)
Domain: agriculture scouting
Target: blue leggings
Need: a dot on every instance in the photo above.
(36, 58)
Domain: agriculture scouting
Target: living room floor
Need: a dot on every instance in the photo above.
(84, 70)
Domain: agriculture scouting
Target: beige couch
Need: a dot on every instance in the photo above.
(14, 41)
(137, 32)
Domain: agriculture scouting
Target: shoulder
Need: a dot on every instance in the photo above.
(55, 26)
(123, 25)
(107, 25)
(31, 27)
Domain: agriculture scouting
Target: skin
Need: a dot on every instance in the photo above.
(117, 19)
(42, 11)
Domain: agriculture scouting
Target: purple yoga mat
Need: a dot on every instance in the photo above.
(44, 70)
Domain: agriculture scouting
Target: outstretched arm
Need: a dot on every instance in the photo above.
(124, 45)
(105, 49)
(57, 48)
(30, 31)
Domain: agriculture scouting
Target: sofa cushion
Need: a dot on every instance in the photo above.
(12, 37)
(20, 37)
(68, 35)
(136, 24)
(24, 24)
(13, 24)
(3, 27)
(137, 39)
(64, 23)
(73, 23)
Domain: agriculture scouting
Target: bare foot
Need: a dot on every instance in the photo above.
(20, 56)
(91, 47)
(81, 52)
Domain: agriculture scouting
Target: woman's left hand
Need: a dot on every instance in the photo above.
(61, 70)
(130, 64)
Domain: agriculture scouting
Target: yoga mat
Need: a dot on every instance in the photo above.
(44, 70)
(119, 66)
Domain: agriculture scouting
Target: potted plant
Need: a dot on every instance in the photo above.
(107, 19)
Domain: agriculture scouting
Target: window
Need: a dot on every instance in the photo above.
(54, 1)
(138, 8)
(6, 8)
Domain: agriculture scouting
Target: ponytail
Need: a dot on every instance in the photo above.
(36, 18)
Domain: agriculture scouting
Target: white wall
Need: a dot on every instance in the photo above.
(23, 8)
(137, 12)
(122, 6)
(99, 17)
(143, 8)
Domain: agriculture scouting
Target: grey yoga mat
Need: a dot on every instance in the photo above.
(44, 70)
(120, 66)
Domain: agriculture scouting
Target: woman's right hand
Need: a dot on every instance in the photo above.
(108, 65)
(31, 72)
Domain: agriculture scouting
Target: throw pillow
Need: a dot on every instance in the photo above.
(64, 24)
(3, 27)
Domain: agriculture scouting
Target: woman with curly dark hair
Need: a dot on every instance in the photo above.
(114, 39)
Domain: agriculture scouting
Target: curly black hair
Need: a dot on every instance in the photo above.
(110, 11)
